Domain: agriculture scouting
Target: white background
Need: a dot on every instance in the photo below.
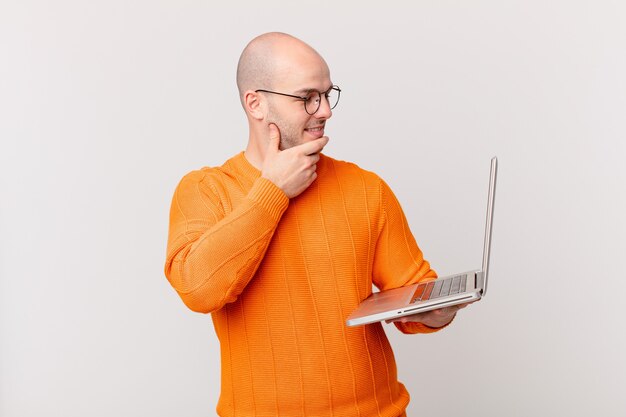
(105, 105)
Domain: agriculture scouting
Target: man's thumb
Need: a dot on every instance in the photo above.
(274, 142)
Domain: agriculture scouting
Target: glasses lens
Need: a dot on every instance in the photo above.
(312, 104)
(333, 97)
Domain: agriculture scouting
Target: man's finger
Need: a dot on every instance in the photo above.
(314, 146)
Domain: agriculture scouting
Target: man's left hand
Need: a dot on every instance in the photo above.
(433, 318)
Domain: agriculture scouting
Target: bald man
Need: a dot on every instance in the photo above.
(281, 243)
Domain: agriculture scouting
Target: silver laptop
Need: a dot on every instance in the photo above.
(443, 292)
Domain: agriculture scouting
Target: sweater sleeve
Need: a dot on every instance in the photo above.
(398, 260)
(212, 256)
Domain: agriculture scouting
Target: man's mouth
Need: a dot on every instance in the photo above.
(315, 129)
(316, 132)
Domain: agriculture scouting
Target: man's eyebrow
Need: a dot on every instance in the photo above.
(304, 91)
(308, 90)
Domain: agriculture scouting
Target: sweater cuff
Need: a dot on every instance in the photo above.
(269, 196)
(415, 327)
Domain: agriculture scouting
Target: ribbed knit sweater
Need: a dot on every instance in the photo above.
(280, 277)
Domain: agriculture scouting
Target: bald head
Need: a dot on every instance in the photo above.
(269, 57)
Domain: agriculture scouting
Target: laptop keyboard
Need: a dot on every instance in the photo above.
(439, 288)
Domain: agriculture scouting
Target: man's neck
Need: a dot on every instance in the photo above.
(255, 153)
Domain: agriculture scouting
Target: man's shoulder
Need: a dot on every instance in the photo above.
(347, 168)
(209, 175)
(200, 175)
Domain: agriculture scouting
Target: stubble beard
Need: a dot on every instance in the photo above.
(289, 136)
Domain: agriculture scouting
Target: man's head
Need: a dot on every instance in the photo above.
(280, 63)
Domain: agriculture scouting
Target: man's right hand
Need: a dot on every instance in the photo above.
(293, 169)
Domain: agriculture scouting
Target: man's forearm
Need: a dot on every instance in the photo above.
(213, 267)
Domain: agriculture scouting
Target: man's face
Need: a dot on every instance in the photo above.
(295, 124)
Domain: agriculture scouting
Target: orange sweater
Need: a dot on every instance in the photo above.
(280, 277)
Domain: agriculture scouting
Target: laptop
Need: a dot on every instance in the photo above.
(446, 291)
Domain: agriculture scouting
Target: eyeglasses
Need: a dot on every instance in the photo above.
(313, 99)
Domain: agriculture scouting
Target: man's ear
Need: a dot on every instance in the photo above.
(254, 104)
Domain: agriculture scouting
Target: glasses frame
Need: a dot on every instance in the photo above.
(305, 99)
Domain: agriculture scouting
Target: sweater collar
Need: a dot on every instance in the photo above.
(249, 171)
(244, 166)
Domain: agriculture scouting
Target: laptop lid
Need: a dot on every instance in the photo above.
(489, 222)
